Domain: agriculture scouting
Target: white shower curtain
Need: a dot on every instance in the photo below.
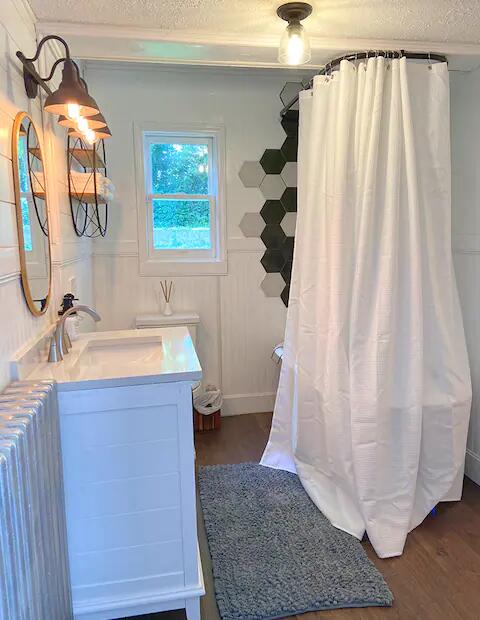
(374, 396)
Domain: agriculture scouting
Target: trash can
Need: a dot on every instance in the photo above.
(207, 409)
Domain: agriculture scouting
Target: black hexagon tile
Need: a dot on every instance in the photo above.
(272, 260)
(287, 248)
(272, 212)
(289, 148)
(273, 236)
(289, 91)
(289, 199)
(285, 294)
(272, 161)
(290, 123)
(287, 271)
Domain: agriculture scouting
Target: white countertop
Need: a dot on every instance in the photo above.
(122, 358)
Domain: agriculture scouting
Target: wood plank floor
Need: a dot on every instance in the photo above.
(437, 577)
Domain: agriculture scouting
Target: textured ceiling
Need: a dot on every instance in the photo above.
(421, 20)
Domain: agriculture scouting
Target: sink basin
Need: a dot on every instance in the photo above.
(115, 358)
(122, 351)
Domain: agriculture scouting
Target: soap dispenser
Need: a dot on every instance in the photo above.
(72, 321)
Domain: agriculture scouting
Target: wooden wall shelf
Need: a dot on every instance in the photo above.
(87, 158)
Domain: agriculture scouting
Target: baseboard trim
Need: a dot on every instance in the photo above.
(238, 404)
(472, 466)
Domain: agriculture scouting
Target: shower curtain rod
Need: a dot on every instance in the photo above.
(361, 56)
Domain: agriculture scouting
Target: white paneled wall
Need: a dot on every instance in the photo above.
(465, 89)
(239, 325)
(71, 257)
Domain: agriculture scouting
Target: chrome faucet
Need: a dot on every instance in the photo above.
(59, 343)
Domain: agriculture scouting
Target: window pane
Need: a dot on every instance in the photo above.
(181, 224)
(179, 168)
(27, 231)
(22, 165)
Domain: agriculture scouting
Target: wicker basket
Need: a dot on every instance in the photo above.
(210, 422)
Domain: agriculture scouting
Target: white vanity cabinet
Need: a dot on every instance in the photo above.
(125, 405)
(130, 499)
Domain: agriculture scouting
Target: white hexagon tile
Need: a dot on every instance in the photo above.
(289, 223)
(252, 224)
(289, 174)
(251, 173)
(273, 284)
(272, 187)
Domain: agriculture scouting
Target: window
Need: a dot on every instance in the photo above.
(181, 211)
(25, 193)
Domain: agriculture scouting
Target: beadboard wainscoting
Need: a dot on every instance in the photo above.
(71, 257)
(239, 325)
(465, 92)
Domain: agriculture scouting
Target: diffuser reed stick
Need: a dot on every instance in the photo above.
(167, 294)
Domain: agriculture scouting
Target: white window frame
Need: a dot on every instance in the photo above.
(182, 261)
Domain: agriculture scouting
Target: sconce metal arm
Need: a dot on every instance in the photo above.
(31, 77)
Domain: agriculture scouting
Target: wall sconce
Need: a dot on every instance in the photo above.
(76, 107)
(294, 45)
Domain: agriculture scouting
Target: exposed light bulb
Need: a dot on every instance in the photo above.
(295, 49)
(90, 136)
(73, 111)
(294, 45)
(82, 124)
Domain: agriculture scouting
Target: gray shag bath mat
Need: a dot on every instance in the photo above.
(273, 552)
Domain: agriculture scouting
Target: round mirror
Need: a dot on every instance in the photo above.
(32, 213)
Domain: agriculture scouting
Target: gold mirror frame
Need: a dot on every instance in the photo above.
(19, 118)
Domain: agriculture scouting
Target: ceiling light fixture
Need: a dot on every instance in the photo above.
(294, 45)
(76, 107)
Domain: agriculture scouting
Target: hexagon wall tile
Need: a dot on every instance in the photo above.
(272, 187)
(273, 285)
(289, 91)
(272, 260)
(289, 174)
(272, 212)
(287, 248)
(287, 271)
(251, 173)
(285, 294)
(275, 175)
(290, 123)
(272, 161)
(252, 224)
(289, 148)
(273, 236)
(289, 224)
(289, 199)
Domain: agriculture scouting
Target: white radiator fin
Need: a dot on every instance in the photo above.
(34, 572)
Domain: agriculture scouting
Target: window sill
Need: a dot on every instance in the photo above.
(157, 268)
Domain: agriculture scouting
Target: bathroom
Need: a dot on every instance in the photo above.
(185, 270)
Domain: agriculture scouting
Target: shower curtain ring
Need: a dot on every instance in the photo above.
(429, 61)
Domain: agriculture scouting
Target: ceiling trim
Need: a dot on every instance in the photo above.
(107, 42)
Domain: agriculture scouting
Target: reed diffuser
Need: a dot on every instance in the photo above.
(167, 294)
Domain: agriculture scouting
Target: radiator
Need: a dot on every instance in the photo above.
(34, 572)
